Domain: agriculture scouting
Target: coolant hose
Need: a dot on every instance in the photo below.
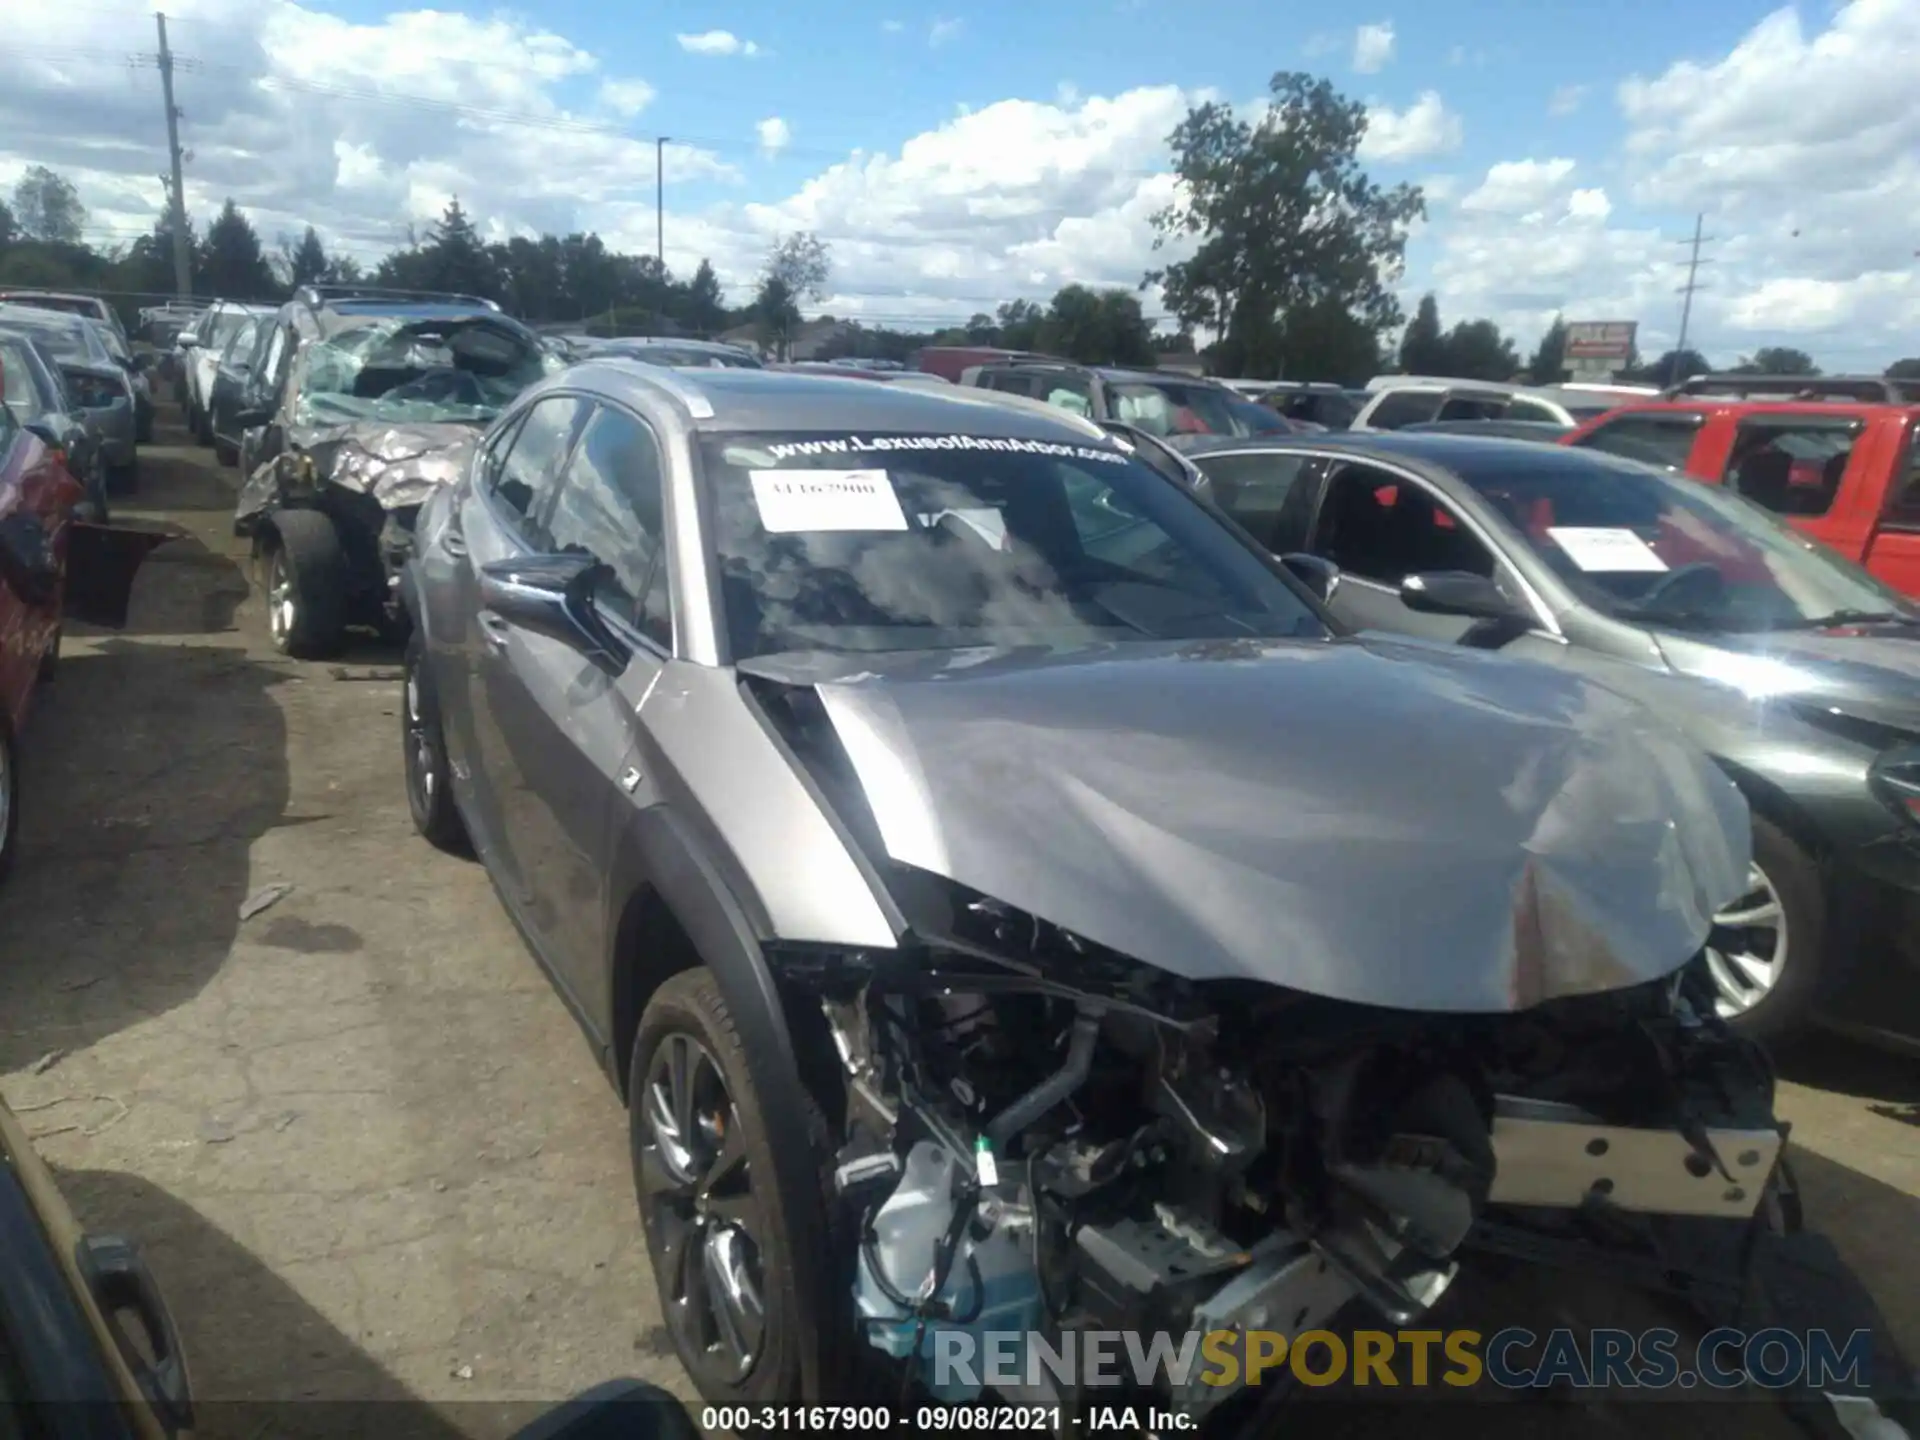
(1056, 1087)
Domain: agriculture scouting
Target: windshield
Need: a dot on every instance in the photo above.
(66, 338)
(1644, 547)
(1163, 408)
(419, 372)
(1258, 419)
(217, 332)
(18, 384)
(940, 542)
(65, 304)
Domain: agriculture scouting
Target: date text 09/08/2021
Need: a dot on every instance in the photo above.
(880, 1419)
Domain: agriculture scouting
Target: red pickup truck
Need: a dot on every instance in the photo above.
(1846, 474)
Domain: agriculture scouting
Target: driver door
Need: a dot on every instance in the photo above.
(1379, 527)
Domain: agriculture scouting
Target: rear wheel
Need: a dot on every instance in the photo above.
(429, 776)
(1766, 955)
(306, 583)
(223, 452)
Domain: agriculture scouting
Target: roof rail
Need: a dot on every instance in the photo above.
(1872, 389)
(321, 293)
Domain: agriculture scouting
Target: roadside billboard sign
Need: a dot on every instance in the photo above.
(1596, 349)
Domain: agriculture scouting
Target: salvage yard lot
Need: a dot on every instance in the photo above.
(365, 1146)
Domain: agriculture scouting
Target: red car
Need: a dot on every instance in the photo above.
(41, 544)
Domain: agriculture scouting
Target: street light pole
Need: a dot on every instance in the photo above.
(660, 201)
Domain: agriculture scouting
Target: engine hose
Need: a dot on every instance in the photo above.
(1056, 1087)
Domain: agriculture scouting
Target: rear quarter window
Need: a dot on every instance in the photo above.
(1404, 407)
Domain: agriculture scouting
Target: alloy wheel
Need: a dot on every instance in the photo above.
(282, 608)
(1748, 964)
(702, 1214)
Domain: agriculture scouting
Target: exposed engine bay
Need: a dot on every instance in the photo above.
(1046, 1137)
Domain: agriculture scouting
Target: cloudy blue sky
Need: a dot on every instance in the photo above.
(959, 155)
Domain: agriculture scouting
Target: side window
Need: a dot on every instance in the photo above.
(1661, 440)
(1253, 489)
(531, 466)
(1405, 407)
(1903, 497)
(610, 507)
(1793, 468)
(1068, 392)
(1010, 381)
(1471, 407)
(1378, 527)
(1521, 408)
(269, 365)
(16, 386)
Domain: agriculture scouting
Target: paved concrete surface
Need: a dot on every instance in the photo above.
(365, 1145)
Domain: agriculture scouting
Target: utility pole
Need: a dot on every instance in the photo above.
(182, 259)
(660, 202)
(1692, 285)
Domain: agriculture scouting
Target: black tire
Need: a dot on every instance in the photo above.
(9, 799)
(203, 427)
(690, 1007)
(1784, 1012)
(224, 453)
(306, 585)
(424, 758)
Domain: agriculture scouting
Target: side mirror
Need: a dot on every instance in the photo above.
(1455, 592)
(45, 434)
(1319, 575)
(552, 595)
(27, 562)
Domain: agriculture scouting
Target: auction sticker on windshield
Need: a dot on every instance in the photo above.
(817, 500)
(1605, 551)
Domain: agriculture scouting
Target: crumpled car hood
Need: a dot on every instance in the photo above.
(1383, 822)
(398, 465)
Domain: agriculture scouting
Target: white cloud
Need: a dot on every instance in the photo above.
(1589, 204)
(717, 42)
(626, 97)
(1516, 187)
(1372, 47)
(1425, 127)
(1567, 99)
(775, 134)
(943, 30)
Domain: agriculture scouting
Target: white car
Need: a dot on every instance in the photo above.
(1399, 400)
(203, 346)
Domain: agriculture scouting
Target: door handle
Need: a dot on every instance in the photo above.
(494, 630)
(453, 542)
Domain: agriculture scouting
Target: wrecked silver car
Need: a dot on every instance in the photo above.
(373, 405)
(1012, 908)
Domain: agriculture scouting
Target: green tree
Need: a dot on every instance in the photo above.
(1326, 341)
(232, 263)
(1673, 366)
(1904, 370)
(703, 309)
(1548, 365)
(777, 312)
(1284, 217)
(1097, 327)
(47, 208)
(307, 262)
(8, 227)
(1476, 350)
(453, 257)
(1778, 360)
(1019, 325)
(1423, 348)
(796, 270)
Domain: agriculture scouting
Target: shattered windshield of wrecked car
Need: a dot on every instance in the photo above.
(411, 374)
(924, 542)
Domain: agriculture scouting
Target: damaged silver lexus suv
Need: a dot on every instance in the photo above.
(1010, 908)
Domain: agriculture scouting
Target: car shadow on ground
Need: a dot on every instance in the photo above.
(148, 773)
(182, 588)
(265, 1364)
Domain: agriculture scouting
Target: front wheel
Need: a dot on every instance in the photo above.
(1766, 955)
(306, 585)
(719, 1232)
